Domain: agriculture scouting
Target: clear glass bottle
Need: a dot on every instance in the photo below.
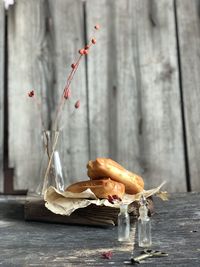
(123, 223)
(144, 225)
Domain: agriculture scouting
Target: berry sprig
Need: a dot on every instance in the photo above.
(32, 94)
(74, 66)
(67, 91)
(65, 96)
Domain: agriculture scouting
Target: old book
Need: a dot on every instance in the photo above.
(35, 210)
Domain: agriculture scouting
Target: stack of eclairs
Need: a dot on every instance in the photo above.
(108, 178)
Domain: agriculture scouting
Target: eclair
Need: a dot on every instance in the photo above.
(102, 188)
(103, 167)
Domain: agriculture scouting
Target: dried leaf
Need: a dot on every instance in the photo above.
(164, 195)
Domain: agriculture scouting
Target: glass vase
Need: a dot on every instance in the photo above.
(50, 171)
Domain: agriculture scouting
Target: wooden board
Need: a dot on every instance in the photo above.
(188, 22)
(68, 37)
(29, 68)
(2, 40)
(35, 210)
(134, 95)
(47, 37)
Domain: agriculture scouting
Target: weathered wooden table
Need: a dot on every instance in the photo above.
(176, 230)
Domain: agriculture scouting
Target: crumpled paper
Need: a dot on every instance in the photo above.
(64, 203)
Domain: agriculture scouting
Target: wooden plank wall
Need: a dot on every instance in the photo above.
(188, 16)
(129, 86)
(68, 35)
(47, 36)
(2, 38)
(134, 83)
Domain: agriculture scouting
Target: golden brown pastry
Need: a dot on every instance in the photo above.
(101, 188)
(103, 167)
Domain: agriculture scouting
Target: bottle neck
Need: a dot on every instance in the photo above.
(123, 208)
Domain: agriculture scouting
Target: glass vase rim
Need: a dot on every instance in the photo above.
(51, 131)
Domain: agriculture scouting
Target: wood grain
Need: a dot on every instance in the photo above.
(2, 47)
(134, 94)
(188, 20)
(128, 86)
(175, 230)
(68, 36)
(30, 67)
(47, 36)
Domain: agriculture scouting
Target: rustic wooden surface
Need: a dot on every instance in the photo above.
(2, 38)
(134, 76)
(175, 230)
(189, 29)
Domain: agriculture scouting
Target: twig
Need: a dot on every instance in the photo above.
(50, 160)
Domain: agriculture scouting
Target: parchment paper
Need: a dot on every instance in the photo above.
(64, 203)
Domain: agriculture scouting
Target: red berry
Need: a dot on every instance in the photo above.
(97, 27)
(110, 199)
(116, 197)
(86, 51)
(77, 104)
(31, 93)
(81, 51)
(67, 93)
(87, 47)
(73, 66)
(94, 40)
